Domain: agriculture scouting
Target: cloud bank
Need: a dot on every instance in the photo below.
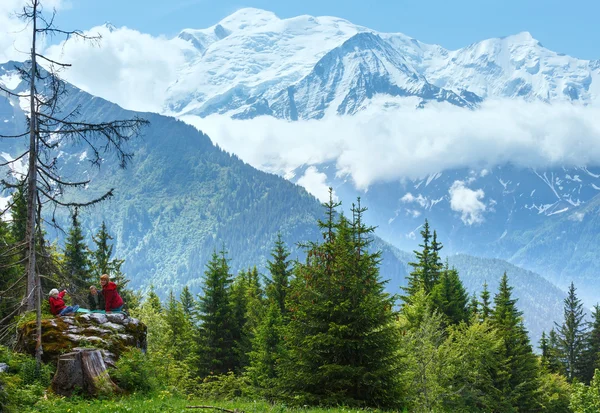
(127, 67)
(379, 145)
(14, 37)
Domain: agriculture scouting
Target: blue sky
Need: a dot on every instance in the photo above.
(569, 27)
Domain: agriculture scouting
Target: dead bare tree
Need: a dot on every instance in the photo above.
(49, 128)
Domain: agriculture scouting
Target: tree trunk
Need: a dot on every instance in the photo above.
(82, 371)
(32, 174)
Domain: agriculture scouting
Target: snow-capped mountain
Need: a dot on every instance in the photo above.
(253, 63)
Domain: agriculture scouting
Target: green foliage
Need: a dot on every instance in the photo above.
(23, 384)
(422, 362)
(472, 353)
(555, 393)
(586, 399)
(135, 372)
(169, 370)
(222, 387)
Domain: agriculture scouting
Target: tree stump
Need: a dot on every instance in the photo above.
(82, 371)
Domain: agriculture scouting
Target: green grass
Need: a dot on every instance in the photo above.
(165, 402)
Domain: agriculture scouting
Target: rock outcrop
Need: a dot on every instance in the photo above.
(111, 334)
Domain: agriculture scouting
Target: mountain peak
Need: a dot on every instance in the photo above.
(248, 17)
(522, 37)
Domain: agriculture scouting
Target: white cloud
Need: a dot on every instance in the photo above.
(410, 198)
(315, 182)
(14, 37)
(467, 202)
(127, 67)
(380, 145)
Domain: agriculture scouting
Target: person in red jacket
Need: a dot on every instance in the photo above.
(57, 304)
(112, 299)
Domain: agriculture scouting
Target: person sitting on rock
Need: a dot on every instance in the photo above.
(95, 300)
(112, 299)
(57, 304)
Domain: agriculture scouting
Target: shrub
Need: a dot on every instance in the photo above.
(223, 387)
(134, 372)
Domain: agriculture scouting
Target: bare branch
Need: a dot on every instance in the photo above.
(53, 61)
(14, 160)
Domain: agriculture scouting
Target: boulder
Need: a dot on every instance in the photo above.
(111, 334)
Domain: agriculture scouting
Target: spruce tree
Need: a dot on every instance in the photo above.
(179, 330)
(427, 268)
(554, 361)
(18, 214)
(436, 260)
(450, 298)
(268, 351)
(473, 308)
(187, 301)
(153, 300)
(217, 323)
(341, 340)
(571, 335)
(486, 309)
(591, 354)
(77, 259)
(239, 307)
(103, 263)
(280, 273)
(518, 380)
(545, 349)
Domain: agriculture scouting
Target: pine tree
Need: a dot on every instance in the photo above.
(591, 355)
(217, 323)
(341, 340)
(486, 309)
(427, 268)
(187, 301)
(571, 335)
(280, 273)
(450, 298)
(77, 261)
(103, 263)
(518, 381)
